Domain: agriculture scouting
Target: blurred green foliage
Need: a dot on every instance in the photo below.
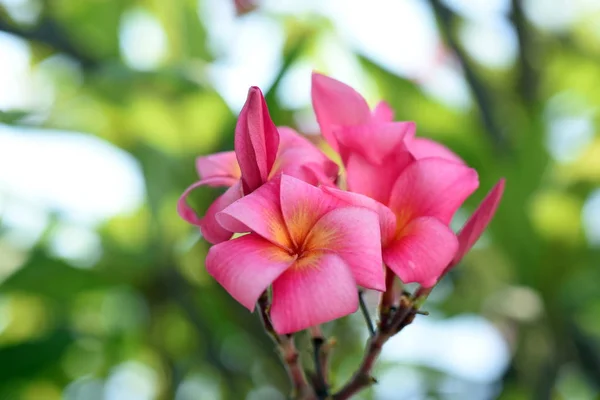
(147, 305)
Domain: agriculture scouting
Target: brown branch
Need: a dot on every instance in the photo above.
(48, 32)
(362, 378)
(321, 355)
(388, 299)
(446, 18)
(527, 75)
(365, 312)
(288, 352)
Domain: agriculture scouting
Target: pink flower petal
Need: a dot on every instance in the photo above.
(256, 141)
(316, 175)
(431, 187)
(259, 212)
(352, 233)
(316, 289)
(211, 230)
(383, 112)
(375, 181)
(337, 104)
(296, 153)
(185, 211)
(222, 165)
(479, 220)
(424, 148)
(246, 266)
(422, 252)
(302, 206)
(387, 219)
(374, 141)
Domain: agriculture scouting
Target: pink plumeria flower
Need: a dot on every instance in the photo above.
(417, 242)
(337, 105)
(421, 181)
(261, 152)
(310, 246)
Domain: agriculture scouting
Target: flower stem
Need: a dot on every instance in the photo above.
(362, 378)
(288, 352)
(388, 299)
(365, 312)
(320, 354)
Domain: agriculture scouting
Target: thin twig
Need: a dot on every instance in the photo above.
(320, 355)
(365, 313)
(362, 378)
(49, 32)
(388, 299)
(483, 100)
(288, 352)
(528, 78)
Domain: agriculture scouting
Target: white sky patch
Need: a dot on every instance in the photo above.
(479, 9)
(248, 49)
(559, 15)
(591, 218)
(477, 36)
(85, 389)
(447, 83)
(24, 223)
(466, 346)
(22, 11)
(78, 175)
(142, 39)
(570, 126)
(79, 245)
(14, 73)
(131, 381)
(400, 35)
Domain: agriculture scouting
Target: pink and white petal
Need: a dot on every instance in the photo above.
(352, 233)
(211, 230)
(383, 112)
(422, 252)
(222, 164)
(258, 212)
(185, 211)
(425, 148)
(374, 141)
(246, 266)
(431, 187)
(387, 219)
(336, 104)
(472, 230)
(302, 206)
(375, 181)
(315, 290)
(256, 141)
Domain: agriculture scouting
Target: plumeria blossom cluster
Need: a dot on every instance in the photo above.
(294, 232)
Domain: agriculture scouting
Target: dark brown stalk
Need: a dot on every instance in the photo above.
(362, 378)
(288, 352)
(388, 299)
(321, 355)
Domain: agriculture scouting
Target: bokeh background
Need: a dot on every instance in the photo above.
(106, 103)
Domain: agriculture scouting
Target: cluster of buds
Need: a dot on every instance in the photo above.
(308, 240)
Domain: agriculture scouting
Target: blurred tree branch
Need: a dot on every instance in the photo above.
(48, 32)
(527, 76)
(446, 18)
